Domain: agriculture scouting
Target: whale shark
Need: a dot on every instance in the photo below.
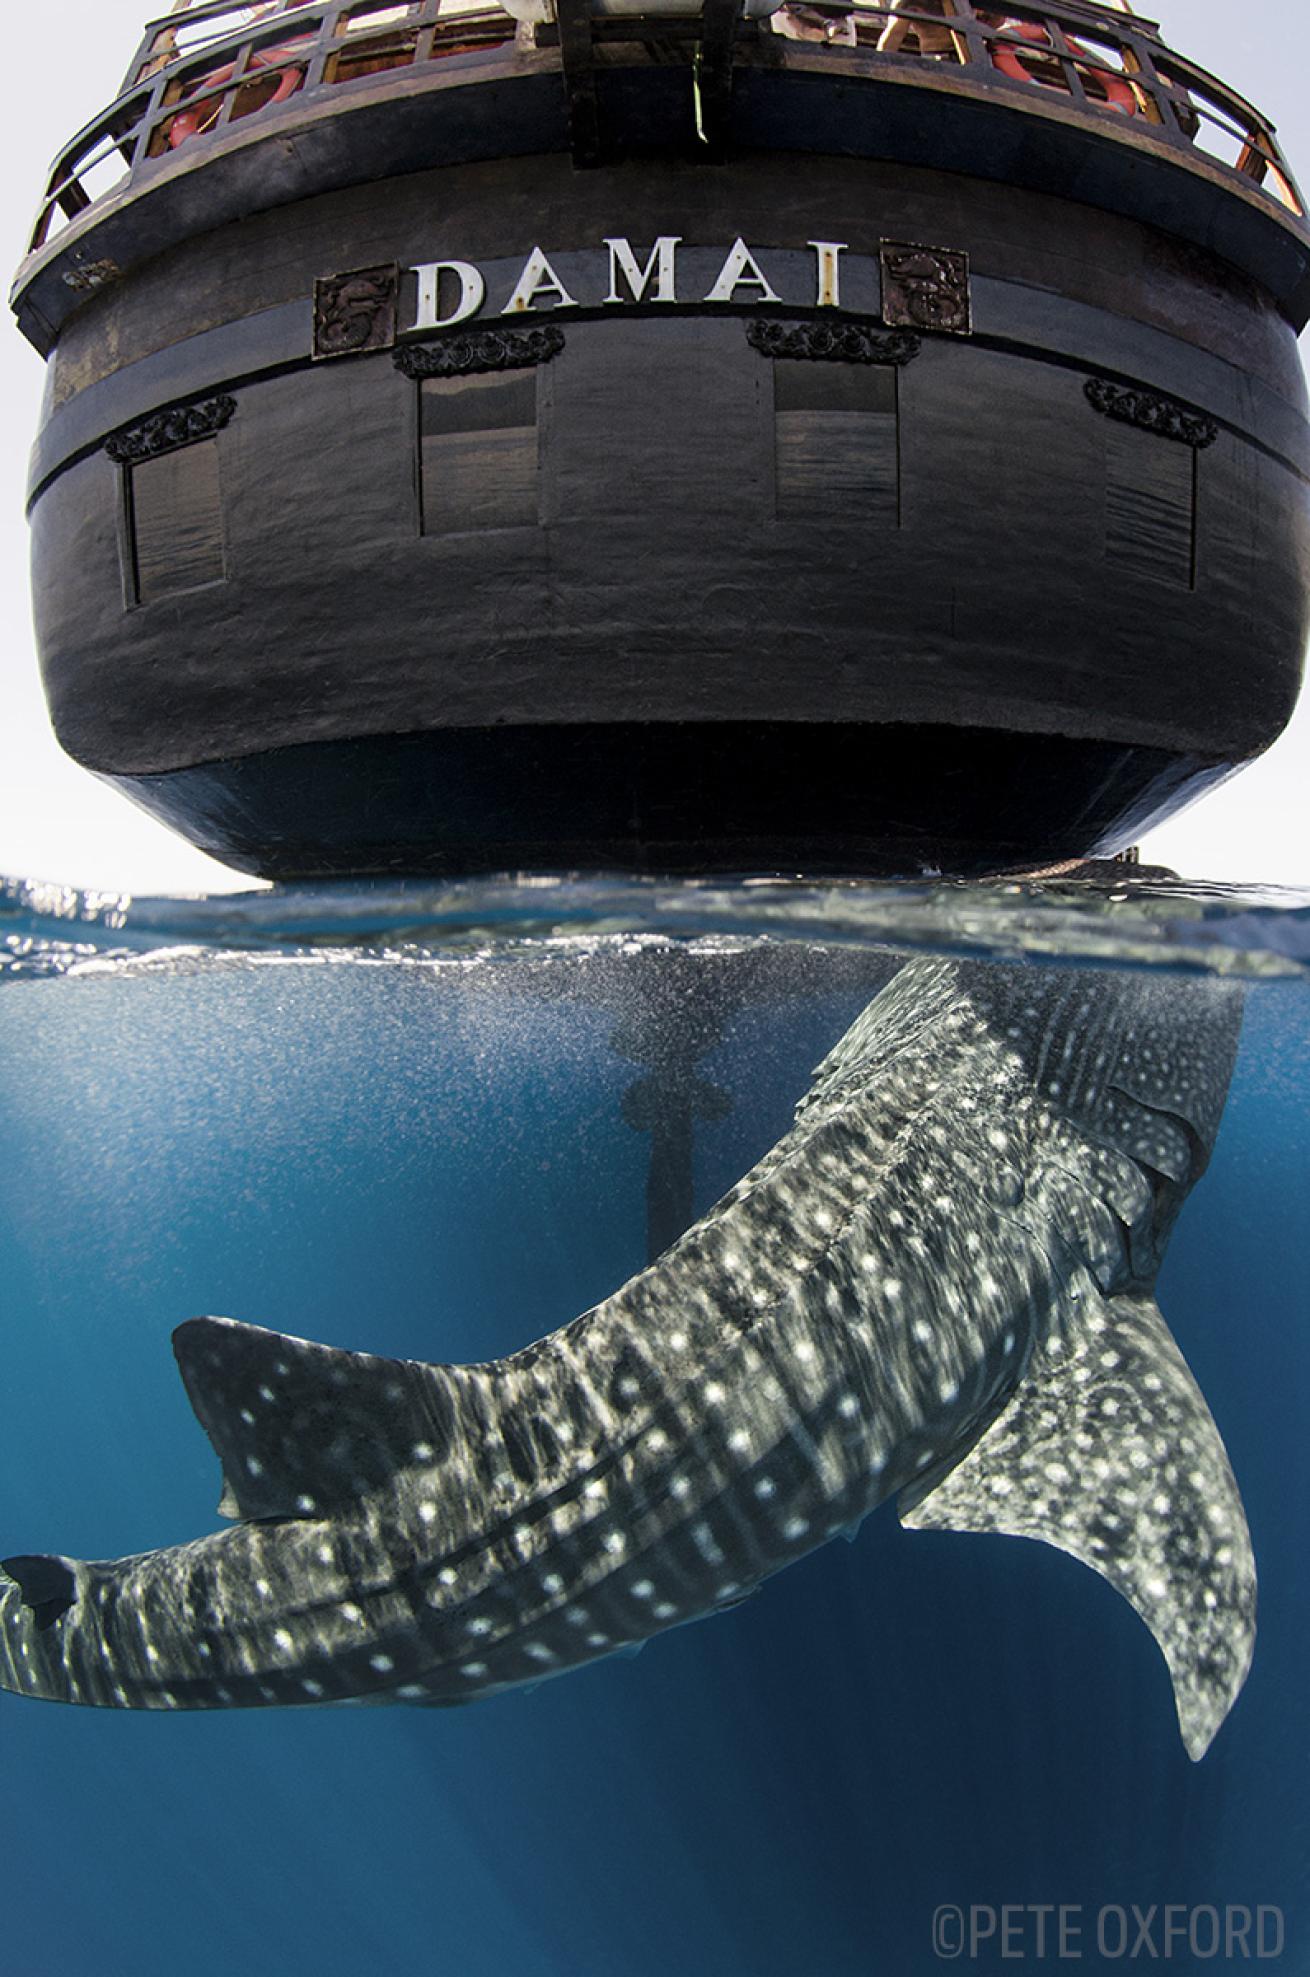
(937, 1286)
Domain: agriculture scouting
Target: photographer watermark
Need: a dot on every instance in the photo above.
(1169, 1932)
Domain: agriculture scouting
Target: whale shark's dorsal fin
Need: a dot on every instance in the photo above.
(48, 1586)
(301, 1428)
(1108, 1451)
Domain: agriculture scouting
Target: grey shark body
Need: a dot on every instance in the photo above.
(938, 1284)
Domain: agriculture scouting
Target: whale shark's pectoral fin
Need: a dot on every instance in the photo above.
(304, 1429)
(1108, 1451)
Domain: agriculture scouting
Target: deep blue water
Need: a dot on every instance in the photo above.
(432, 1162)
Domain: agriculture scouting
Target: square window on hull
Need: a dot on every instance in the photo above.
(478, 441)
(836, 440)
(1150, 506)
(175, 523)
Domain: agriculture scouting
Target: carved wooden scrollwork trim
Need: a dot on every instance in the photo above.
(833, 343)
(1152, 412)
(85, 280)
(480, 350)
(165, 432)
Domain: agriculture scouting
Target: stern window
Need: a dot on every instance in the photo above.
(1150, 506)
(478, 440)
(836, 439)
(175, 523)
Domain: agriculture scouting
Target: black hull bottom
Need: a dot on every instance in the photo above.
(663, 798)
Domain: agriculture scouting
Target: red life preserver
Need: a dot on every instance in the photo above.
(1020, 36)
(193, 118)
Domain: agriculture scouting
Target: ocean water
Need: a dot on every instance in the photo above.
(438, 1123)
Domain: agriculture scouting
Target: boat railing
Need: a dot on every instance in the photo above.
(207, 67)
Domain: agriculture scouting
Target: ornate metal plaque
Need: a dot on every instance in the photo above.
(356, 311)
(925, 287)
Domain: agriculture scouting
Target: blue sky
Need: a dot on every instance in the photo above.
(56, 822)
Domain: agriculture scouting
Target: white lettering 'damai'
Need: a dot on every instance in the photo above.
(828, 253)
(741, 270)
(472, 293)
(538, 278)
(462, 287)
(661, 264)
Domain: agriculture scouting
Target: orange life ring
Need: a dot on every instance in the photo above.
(1024, 36)
(194, 117)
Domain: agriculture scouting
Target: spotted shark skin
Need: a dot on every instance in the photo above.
(938, 1284)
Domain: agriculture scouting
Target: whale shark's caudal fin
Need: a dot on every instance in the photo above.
(1108, 1451)
(302, 1429)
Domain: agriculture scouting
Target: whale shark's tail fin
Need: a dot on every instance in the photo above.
(1108, 1451)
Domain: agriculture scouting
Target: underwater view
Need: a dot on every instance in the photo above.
(930, 1217)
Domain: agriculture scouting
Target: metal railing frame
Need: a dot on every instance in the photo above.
(1175, 95)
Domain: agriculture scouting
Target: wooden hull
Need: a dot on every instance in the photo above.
(729, 797)
(701, 583)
